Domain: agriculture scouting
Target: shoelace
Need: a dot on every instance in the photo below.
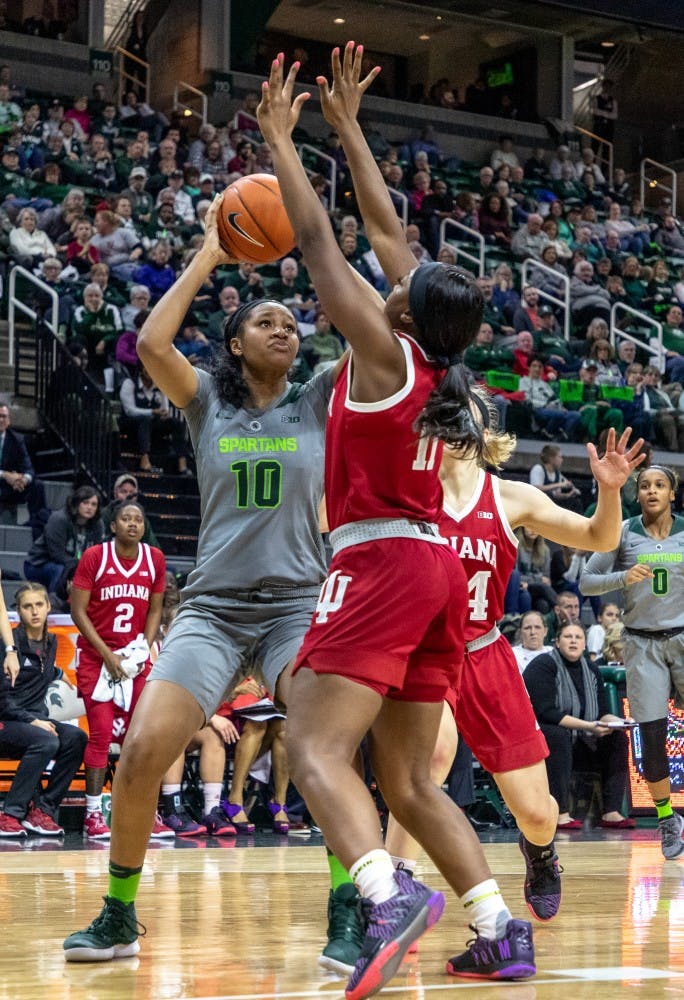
(343, 922)
(109, 916)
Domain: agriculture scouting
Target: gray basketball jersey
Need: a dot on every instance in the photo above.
(260, 477)
(656, 604)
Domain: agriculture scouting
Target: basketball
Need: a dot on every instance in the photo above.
(252, 221)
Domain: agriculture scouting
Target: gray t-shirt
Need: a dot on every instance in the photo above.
(260, 476)
(656, 604)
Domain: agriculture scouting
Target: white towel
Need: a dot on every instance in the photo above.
(133, 657)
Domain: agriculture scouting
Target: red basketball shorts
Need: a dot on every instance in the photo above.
(493, 711)
(107, 722)
(390, 615)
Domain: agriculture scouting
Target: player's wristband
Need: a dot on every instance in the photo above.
(11, 649)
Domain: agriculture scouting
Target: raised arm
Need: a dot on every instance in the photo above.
(172, 372)
(340, 104)
(350, 307)
(525, 505)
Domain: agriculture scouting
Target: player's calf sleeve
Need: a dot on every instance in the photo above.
(653, 750)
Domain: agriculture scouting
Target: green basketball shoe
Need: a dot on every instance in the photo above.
(346, 931)
(112, 934)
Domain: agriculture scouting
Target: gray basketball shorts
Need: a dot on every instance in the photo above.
(211, 636)
(654, 667)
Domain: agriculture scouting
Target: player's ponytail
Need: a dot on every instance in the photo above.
(446, 308)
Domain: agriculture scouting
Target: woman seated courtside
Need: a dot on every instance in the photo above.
(570, 702)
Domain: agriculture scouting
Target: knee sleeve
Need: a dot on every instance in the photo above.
(654, 754)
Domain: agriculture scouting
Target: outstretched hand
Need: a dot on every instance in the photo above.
(340, 103)
(278, 113)
(613, 470)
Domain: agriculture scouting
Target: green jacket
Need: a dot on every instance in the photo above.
(482, 359)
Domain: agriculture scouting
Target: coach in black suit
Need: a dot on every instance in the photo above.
(18, 483)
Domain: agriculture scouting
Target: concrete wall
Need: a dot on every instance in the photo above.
(470, 137)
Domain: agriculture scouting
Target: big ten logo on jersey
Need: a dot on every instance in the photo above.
(426, 455)
(331, 595)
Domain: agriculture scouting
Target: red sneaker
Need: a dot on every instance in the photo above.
(10, 827)
(160, 831)
(39, 822)
(95, 828)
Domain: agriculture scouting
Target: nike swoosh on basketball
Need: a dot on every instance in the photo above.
(231, 220)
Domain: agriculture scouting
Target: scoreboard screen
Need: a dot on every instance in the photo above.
(640, 799)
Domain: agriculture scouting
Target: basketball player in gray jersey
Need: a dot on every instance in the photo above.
(259, 444)
(648, 565)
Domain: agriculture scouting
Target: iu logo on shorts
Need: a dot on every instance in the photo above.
(331, 595)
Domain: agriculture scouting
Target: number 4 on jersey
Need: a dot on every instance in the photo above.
(478, 604)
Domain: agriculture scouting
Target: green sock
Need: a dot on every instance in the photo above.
(663, 807)
(338, 873)
(123, 882)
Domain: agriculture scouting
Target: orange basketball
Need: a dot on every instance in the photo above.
(252, 221)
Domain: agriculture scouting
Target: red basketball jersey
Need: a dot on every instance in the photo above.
(484, 540)
(120, 591)
(375, 464)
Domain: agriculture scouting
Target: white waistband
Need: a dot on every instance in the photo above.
(357, 532)
(483, 640)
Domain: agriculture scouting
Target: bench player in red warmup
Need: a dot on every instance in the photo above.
(386, 640)
(116, 595)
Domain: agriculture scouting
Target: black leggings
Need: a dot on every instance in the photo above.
(609, 759)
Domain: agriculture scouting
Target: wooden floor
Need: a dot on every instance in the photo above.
(249, 923)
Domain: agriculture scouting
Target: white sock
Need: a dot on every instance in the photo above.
(93, 804)
(170, 789)
(404, 864)
(212, 795)
(373, 875)
(486, 910)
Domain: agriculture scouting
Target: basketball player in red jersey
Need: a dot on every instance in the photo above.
(492, 709)
(386, 639)
(116, 595)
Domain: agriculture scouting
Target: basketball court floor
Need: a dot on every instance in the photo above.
(245, 920)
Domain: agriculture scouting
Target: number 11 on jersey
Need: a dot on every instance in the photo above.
(426, 454)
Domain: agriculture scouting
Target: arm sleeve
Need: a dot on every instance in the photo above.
(603, 706)
(127, 397)
(598, 576)
(159, 563)
(537, 476)
(540, 681)
(13, 712)
(84, 577)
(56, 533)
(25, 466)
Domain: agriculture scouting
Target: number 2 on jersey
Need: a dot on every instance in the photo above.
(122, 622)
(478, 603)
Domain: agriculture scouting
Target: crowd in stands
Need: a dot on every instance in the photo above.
(106, 205)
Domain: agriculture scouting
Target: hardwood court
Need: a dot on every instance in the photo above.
(248, 923)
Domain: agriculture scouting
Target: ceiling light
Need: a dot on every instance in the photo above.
(607, 45)
(439, 17)
(424, 38)
(338, 20)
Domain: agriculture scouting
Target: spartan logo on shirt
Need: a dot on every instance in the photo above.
(232, 223)
(331, 595)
